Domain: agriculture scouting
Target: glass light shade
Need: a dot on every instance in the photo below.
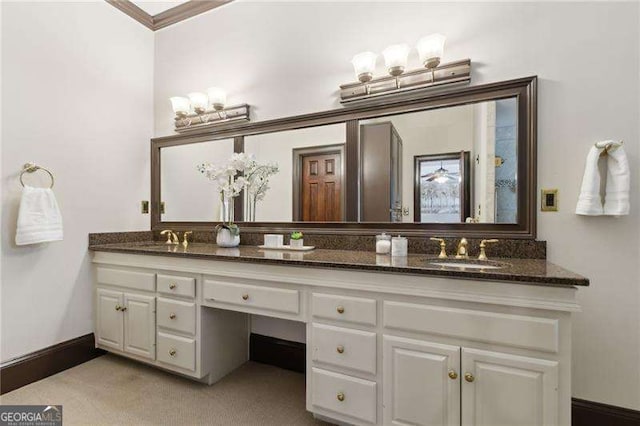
(217, 98)
(395, 58)
(198, 102)
(431, 49)
(364, 64)
(180, 105)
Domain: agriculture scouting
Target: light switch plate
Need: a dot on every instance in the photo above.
(144, 207)
(549, 200)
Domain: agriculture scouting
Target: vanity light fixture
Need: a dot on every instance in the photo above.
(201, 110)
(430, 51)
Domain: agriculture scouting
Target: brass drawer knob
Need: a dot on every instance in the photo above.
(172, 352)
(245, 296)
(340, 349)
(453, 375)
(172, 316)
(340, 396)
(340, 309)
(118, 307)
(172, 286)
(124, 308)
(469, 377)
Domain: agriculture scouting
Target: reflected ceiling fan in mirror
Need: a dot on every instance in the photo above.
(442, 175)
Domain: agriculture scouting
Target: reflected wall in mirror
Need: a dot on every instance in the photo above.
(310, 184)
(409, 174)
(186, 193)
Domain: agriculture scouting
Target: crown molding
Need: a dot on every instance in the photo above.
(168, 17)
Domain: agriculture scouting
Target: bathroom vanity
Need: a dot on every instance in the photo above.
(388, 342)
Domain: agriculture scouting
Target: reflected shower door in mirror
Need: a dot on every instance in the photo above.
(188, 195)
(310, 184)
(409, 174)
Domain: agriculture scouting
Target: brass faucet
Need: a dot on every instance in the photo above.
(443, 247)
(185, 242)
(462, 252)
(172, 238)
(483, 244)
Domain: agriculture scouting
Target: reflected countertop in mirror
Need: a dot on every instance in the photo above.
(525, 271)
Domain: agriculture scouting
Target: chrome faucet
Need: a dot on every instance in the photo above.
(462, 252)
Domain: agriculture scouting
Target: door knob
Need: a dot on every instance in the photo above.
(172, 316)
(469, 377)
(340, 396)
(453, 375)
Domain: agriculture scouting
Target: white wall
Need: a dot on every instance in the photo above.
(77, 98)
(289, 58)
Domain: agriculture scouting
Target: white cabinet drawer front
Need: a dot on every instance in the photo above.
(346, 348)
(354, 310)
(176, 315)
(129, 279)
(275, 299)
(177, 351)
(344, 394)
(177, 286)
(492, 327)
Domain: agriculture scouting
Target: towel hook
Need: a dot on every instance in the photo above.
(32, 168)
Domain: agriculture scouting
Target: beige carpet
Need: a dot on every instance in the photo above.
(113, 390)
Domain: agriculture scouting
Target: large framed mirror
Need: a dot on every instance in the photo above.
(457, 162)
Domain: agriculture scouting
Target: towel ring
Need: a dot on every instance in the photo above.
(32, 168)
(608, 146)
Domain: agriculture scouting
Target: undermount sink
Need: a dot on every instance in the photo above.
(468, 263)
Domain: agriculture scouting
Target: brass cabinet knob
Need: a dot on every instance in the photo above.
(340, 396)
(469, 377)
(453, 375)
(172, 352)
(340, 309)
(340, 349)
(172, 286)
(245, 296)
(172, 316)
(118, 307)
(124, 308)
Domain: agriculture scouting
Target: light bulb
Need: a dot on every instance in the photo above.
(364, 64)
(198, 102)
(395, 58)
(431, 50)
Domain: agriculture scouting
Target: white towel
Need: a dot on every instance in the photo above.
(616, 200)
(590, 201)
(39, 218)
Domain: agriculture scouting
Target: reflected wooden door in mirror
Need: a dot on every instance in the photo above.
(375, 161)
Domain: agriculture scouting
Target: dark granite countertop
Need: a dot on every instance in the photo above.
(526, 271)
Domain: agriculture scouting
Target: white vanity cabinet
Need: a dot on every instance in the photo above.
(382, 349)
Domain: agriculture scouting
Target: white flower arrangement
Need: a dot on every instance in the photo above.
(241, 172)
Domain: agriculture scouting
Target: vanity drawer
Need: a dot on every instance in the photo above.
(177, 351)
(346, 348)
(344, 394)
(519, 331)
(129, 279)
(177, 286)
(353, 310)
(176, 315)
(274, 299)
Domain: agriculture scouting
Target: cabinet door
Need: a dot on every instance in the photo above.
(417, 388)
(140, 325)
(508, 390)
(109, 319)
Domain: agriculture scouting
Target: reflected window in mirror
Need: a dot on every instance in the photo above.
(187, 194)
(390, 148)
(309, 186)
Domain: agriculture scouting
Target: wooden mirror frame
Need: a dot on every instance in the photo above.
(523, 89)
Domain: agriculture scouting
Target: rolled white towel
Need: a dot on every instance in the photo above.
(616, 200)
(590, 201)
(39, 218)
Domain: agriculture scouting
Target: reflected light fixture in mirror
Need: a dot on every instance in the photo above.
(395, 58)
(364, 64)
(431, 50)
